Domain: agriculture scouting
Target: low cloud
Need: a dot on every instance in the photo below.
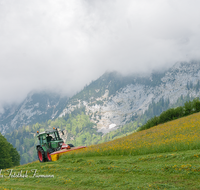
(64, 45)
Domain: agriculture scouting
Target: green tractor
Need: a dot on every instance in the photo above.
(49, 142)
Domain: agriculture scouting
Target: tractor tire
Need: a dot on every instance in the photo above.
(41, 154)
(71, 145)
(48, 156)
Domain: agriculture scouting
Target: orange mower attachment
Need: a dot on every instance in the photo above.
(55, 155)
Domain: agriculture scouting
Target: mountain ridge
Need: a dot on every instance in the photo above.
(111, 101)
(37, 107)
(133, 95)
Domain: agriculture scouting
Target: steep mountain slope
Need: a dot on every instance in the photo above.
(113, 99)
(37, 107)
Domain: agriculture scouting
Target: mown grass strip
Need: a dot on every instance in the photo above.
(174, 170)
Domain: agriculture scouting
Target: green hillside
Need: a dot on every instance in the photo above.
(173, 170)
(166, 156)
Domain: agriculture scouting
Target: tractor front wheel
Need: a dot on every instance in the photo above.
(41, 155)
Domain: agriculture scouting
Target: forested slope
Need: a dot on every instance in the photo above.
(9, 156)
(189, 108)
(78, 130)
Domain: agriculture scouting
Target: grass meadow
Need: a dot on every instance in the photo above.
(177, 135)
(166, 156)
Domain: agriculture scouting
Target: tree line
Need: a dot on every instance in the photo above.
(189, 107)
(9, 155)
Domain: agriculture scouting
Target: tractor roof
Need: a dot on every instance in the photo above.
(47, 132)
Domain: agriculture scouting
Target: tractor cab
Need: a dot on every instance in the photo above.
(50, 139)
(49, 142)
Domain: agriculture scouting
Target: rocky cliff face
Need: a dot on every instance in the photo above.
(110, 111)
(110, 101)
(37, 107)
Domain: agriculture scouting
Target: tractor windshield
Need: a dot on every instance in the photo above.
(42, 139)
(54, 135)
(57, 137)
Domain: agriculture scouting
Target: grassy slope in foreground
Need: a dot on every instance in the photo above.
(118, 168)
(179, 170)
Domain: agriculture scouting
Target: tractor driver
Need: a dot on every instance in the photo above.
(48, 138)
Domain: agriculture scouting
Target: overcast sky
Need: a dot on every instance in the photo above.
(65, 44)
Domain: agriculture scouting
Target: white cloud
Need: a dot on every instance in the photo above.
(63, 45)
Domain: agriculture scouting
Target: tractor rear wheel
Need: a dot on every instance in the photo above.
(48, 156)
(41, 154)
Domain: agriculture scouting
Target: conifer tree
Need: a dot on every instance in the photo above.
(9, 155)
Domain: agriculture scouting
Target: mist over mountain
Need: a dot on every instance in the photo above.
(63, 45)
